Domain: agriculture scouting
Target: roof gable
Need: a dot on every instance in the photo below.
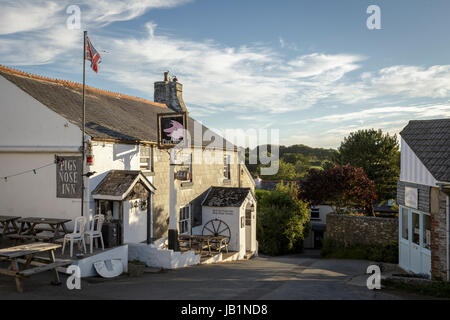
(430, 141)
(117, 184)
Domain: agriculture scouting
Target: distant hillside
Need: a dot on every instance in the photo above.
(295, 161)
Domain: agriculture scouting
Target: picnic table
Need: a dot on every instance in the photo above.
(8, 224)
(28, 252)
(203, 242)
(28, 228)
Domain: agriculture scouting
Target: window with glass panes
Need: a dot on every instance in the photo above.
(315, 213)
(185, 220)
(226, 166)
(146, 158)
(404, 213)
(187, 166)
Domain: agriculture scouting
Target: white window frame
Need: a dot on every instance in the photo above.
(227, 166)
(146, 166)
(185, 220)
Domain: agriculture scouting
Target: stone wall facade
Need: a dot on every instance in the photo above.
(205, 174)
(438, 235)
(352, 230)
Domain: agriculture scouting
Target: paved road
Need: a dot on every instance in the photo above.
(290, 277)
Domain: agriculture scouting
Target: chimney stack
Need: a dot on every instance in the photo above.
(170, 92)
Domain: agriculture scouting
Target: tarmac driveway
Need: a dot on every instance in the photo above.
(289, 277)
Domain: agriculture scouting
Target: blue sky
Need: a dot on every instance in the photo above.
(311, 69)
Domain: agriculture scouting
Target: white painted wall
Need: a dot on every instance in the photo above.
(134, 222)
(161, 258)
(112, 156)
(87, 264)
(31, 195)
(30, 136)
(412, 169)
(233, 220)
(25, 122)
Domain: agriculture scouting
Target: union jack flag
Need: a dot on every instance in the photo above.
(92, 55)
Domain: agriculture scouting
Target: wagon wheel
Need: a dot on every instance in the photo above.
(217, 228)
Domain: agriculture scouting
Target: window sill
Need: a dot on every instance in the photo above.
(186, 185)
(226, 181)
(315, 219)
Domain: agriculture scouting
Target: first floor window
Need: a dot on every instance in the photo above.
(185, 220)
(226, 167)
(146, 158)
(187, 169)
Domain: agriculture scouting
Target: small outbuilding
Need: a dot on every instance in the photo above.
(230, 212)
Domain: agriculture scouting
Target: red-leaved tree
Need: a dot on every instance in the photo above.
(341, 187)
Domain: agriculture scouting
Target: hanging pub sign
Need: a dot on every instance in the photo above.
(68, 177)
(171, 129)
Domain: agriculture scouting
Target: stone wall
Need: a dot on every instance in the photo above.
(351, 230)
(438, 235)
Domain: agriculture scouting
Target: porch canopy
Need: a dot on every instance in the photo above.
(118, 185)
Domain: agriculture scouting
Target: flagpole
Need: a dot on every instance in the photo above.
(84, 121)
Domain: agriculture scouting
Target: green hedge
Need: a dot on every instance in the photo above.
(374, 252)
(429, 288)
(282, 222)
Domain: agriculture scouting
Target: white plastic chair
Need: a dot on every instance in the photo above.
(77, 235)
(95, 231)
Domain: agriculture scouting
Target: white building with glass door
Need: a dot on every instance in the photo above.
(423, 198)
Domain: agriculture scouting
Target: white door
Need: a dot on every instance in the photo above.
(415, 250)
(134, 222)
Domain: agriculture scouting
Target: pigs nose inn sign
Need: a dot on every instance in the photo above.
(68, 177)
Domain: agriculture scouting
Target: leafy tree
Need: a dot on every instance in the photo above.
(286, 171)
(378, 154)
(342, 187)
(283, 220)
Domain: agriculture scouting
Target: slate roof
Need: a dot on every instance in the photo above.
(117, 182)
(109, 115)
(226, 197)
(430, 141)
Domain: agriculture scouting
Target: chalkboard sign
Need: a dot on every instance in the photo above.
(68, 177)
(171, 129)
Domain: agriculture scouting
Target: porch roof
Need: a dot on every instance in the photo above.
(226, 197)
(117, 184)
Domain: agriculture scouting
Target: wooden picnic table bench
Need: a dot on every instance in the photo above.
(203, 242)
(28, 227)
(37, 237)
(8, 224)
(28, 252)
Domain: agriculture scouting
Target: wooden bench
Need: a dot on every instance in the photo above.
(24, 237)
(29, 252)
(46, 267)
